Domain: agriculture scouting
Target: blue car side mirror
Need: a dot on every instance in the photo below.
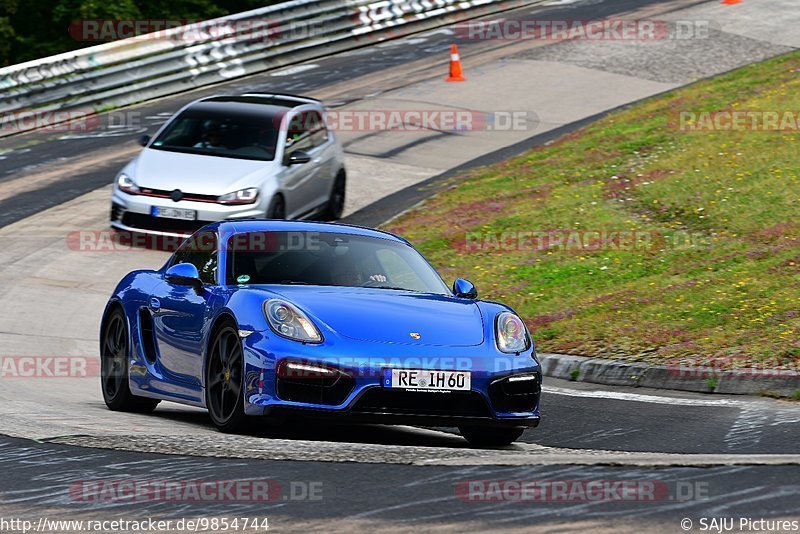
(184, 274)
(465, 289)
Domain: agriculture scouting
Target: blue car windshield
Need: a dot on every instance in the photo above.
(329, 259)
(225, 134)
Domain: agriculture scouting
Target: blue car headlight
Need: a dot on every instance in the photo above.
(287, 321)
(511, 334)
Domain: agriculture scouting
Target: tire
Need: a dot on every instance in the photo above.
(479, 436)
(335, 207)
(114, 358)
(225, 382)
(277, 208)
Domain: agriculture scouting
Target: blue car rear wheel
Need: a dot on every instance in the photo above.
(114, 355)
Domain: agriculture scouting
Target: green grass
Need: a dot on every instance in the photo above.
(712, 383)
(575, 374)
(720, 277)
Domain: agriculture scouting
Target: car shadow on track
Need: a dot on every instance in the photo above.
(308, 429)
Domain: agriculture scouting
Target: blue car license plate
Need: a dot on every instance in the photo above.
(427, 379)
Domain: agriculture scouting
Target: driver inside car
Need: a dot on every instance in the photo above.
(346, 273)
(212, 138)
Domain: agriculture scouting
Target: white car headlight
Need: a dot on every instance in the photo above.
(511, 334)
(245, 196)
(126, 184)
(287, 321)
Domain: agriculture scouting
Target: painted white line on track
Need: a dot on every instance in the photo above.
(636, 397)
(295, 70)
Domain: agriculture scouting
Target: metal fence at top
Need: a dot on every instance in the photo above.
(148, 66)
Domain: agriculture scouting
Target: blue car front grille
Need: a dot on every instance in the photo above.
(379, 400)
(313, 390)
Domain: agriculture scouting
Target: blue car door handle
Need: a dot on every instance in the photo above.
(155, 304)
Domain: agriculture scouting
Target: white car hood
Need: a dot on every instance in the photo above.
(202, 175)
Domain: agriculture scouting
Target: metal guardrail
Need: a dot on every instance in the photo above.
(141, 68)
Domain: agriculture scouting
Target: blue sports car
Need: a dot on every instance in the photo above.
(278, 319)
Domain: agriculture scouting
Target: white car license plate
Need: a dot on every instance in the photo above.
(173, 213)
(427, 379)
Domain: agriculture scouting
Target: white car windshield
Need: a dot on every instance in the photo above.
(223, 134)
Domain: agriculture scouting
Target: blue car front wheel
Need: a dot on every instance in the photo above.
(225, 381)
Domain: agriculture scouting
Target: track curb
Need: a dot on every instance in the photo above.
(682, 377)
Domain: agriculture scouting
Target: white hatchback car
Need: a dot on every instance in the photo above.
(232, 157)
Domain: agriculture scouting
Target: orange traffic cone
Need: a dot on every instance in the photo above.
(456, 74)
(731, 2)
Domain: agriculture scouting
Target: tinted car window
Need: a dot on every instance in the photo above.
(317, 129)
(227, 134)
(396, 267)
(298, 134)
(201, 251)
(328, 259)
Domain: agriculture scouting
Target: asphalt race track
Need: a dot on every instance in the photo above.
(711, 457)
(703, 456)
(388, 497)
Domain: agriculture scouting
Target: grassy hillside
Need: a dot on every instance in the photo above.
(712, 268)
